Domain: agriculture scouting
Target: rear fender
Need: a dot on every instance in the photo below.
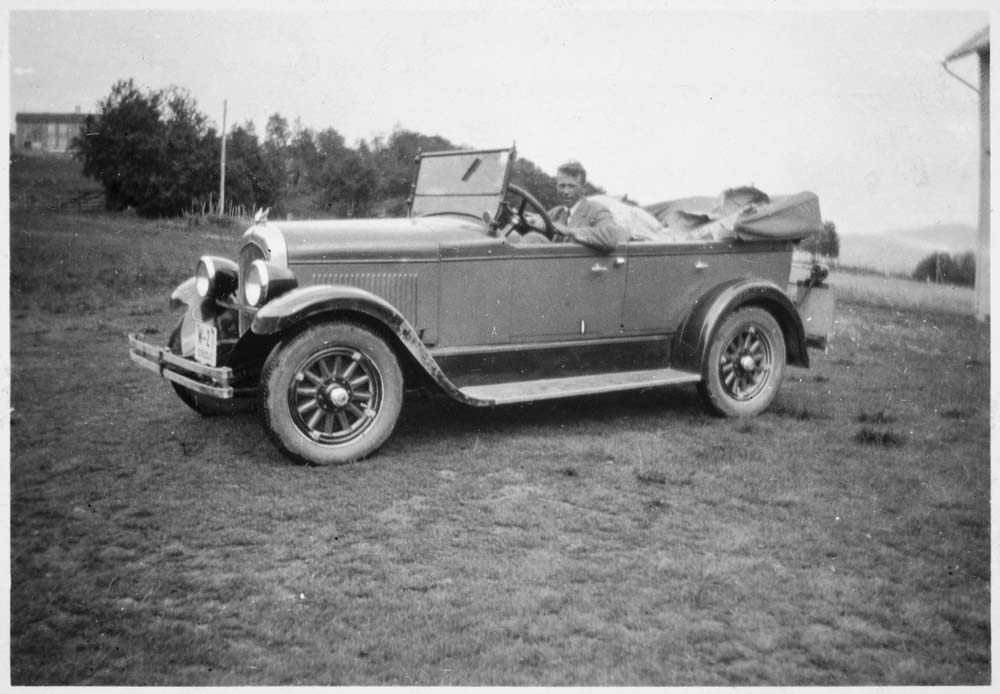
(308, 304)
(699, 328)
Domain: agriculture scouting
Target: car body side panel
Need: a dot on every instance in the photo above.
(521, 362)
(566, 291)
(474, 304)
(666, 279)
(410, 286)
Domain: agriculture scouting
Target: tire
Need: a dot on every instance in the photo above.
(331, 394)
(745, 364)
(205, 405)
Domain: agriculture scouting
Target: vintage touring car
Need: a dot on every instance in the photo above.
(323, 323)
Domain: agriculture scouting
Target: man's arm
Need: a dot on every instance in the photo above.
(600, 231)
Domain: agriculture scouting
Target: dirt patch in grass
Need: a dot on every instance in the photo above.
(630, 539)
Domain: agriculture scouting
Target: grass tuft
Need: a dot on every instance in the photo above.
(876, 437)
(650, 476)
(800, 414)
(880, 417)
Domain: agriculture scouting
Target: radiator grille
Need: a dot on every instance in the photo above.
(399, 289)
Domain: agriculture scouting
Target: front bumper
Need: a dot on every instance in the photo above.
(215, 381)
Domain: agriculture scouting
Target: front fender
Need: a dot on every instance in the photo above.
(307, 303)
(698, 330)
(196, 309)
(184, 295)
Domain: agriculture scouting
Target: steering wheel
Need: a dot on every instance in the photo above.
(517, 214)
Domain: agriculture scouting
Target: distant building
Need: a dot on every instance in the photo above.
(979, 44)
(46, 132)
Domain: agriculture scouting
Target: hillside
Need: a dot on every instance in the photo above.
(899, 250)
(52, 182)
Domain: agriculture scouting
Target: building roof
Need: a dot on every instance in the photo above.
(50, 117)
(977, 43)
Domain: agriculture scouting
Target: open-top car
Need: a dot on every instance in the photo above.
(323, 324)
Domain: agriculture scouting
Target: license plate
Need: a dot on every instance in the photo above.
(206, 340)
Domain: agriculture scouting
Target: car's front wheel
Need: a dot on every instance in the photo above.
(745, 363)
(331, 394)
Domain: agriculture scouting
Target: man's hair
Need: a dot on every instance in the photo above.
(575, 169)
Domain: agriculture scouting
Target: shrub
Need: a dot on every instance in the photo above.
(152, 152)
(942, 268)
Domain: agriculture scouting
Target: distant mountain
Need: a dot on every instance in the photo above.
(899, 250)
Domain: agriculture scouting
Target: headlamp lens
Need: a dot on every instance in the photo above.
(204, 277)
(256, 282)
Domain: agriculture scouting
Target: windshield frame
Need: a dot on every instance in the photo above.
(438, 189)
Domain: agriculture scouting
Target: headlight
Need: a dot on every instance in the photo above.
(265, 281)
(215, 277)
(256, 283)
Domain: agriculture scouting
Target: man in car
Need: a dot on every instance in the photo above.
(577, 218)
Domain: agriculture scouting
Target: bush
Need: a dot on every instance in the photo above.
(825, 242)
(942, 268)
(153, 152)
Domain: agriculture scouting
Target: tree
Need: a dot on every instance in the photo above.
(153, 152)
(276, 154)
(189, 162)
(942, 268)
(276, 133)
(825, 242)
(305, 158)
(394, 161)
(249, 180)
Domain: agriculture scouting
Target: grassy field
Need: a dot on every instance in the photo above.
(51, 183)
(843, 538)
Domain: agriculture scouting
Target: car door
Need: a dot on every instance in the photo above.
(665, 280)
(565, 291)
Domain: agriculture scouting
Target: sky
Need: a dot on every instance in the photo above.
(658, 100)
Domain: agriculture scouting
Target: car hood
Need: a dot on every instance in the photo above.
(321, 240)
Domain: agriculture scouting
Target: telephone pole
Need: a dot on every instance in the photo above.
(222, 166)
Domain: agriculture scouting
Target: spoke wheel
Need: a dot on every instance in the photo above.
(745, 363)
(331, 394)
(335, 395)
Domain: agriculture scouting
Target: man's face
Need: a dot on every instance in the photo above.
(570, 189)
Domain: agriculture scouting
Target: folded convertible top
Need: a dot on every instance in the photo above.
(786, 217)
(745, 213)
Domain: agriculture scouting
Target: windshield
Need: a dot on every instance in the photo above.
(467, 183)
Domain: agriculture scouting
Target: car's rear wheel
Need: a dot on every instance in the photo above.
(205, 405)
(331, 394)
(745, 363)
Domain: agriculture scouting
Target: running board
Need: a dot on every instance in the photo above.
(550, 388)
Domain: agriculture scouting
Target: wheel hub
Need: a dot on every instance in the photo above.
(747, 363)
(336, 395)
